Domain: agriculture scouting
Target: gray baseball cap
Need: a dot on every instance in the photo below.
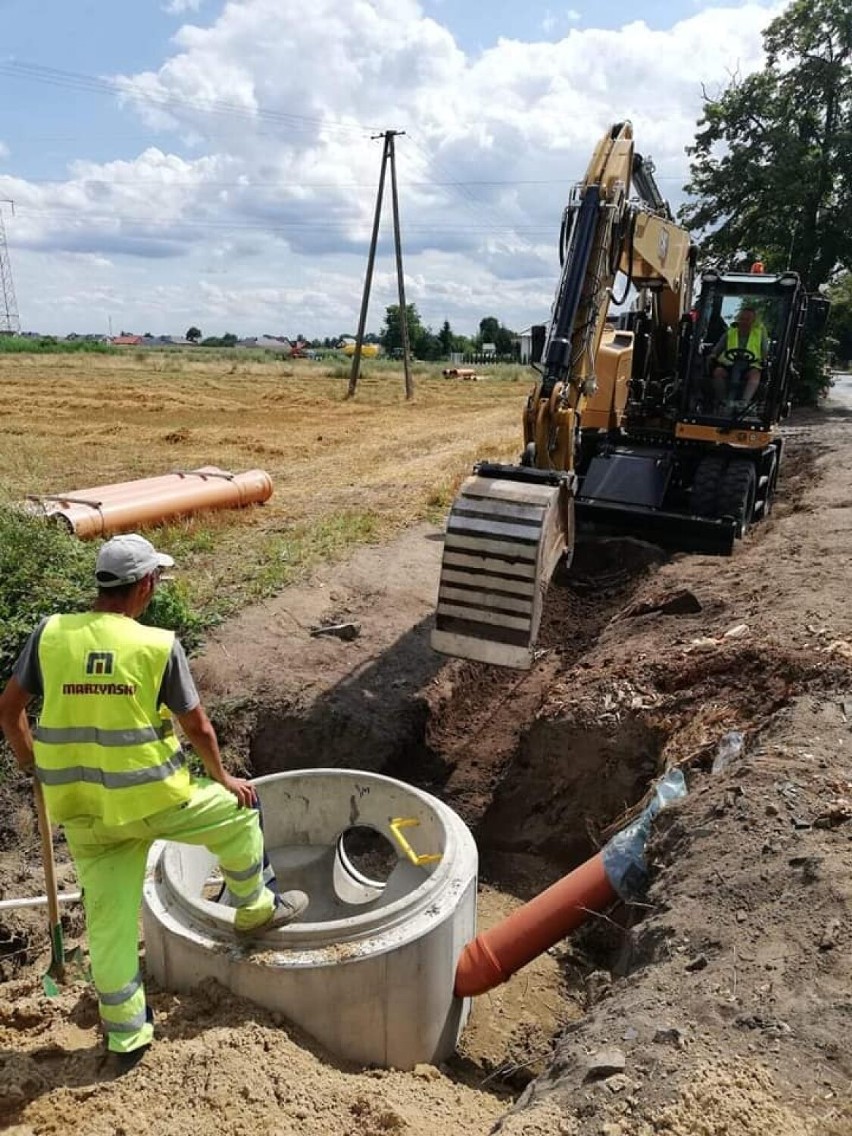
(128, 559)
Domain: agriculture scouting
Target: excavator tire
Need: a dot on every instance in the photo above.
(707, 486)
(737, 493)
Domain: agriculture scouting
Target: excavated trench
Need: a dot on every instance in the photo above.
(537, 793)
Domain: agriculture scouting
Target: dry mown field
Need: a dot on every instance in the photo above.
(344, 471)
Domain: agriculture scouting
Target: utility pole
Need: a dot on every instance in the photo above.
(10, 322)
(388, 158)
(400, 279)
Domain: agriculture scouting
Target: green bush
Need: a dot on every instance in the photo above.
(46, 345)
(43, 570)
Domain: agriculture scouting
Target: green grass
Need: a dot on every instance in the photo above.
(16, 345)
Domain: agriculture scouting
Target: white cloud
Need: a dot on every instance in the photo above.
(263, 219)
(178, 7)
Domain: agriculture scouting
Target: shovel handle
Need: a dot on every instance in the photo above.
(50, 887)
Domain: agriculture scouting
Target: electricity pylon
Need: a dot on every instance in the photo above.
(10, 322)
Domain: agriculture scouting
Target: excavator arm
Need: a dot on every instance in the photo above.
(511, 524)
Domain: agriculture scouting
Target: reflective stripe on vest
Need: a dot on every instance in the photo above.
(135, 777)
(104, 747)
(82, 735)
(753, 345)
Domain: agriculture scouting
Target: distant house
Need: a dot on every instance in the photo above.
(127, 340)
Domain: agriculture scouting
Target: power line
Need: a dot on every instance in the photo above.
(73, 212)
(91, 84)
(250, 183)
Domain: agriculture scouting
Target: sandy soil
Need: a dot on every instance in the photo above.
(720, 1005)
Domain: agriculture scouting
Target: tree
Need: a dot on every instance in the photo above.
(771, 169)
(391, 333)
(840, 319)
(489, 329)
(492, 331)
(193, 334)
(446, 339)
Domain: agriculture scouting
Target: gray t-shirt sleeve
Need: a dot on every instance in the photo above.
(177, 690)
(27, 668)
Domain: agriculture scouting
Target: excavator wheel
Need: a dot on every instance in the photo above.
(769, 481)
(706, 486)
(737, 490)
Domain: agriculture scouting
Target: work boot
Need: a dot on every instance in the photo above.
(289, 907)
(121, 1063)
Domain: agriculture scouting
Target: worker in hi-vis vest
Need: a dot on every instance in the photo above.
(113, 773)
(745, 343)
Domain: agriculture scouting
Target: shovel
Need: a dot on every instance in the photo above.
(64, 966)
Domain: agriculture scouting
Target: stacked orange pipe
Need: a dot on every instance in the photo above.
(126, 505)
(495, 955)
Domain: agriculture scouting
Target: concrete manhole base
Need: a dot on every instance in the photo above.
(369, 970)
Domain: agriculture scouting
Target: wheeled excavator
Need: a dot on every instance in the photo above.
(660, 422)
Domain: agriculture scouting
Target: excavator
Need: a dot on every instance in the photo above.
(660, 422)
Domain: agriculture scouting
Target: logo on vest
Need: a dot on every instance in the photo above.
(99, 662)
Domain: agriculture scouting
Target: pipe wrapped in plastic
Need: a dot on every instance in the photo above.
(618, 870)
(123, 506)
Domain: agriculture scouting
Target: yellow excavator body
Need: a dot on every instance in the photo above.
(510, 526)
(639, 423)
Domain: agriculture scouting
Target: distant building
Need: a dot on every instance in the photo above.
(127, 341)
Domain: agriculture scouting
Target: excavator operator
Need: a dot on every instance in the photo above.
(742, 348)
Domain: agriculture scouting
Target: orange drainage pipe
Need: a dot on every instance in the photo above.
(126, 505)
(495, 955)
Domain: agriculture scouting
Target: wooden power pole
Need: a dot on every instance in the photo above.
(388, 158)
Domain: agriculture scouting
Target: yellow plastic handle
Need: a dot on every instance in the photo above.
(409, 822)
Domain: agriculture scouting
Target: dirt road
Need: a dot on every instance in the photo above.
(720, 1005)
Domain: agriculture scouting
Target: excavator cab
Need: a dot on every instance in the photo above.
(743, 334)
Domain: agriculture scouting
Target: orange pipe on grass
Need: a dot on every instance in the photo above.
(495, 955)
(122, 506)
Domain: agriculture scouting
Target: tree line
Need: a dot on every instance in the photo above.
(423, 342)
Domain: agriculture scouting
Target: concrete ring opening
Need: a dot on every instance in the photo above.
(364, 861)
(369, 969)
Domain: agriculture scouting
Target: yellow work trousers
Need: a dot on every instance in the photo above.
(110, 863)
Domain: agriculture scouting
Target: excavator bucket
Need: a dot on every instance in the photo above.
(506, 532)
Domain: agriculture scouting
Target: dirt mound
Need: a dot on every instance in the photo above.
(221, 1065)
(731, 985)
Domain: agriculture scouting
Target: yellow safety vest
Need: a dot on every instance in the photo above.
(104, 746)
(754, 344)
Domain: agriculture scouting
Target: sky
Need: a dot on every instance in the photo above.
(211, 163)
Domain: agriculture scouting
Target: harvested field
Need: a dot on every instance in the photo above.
(345, 471)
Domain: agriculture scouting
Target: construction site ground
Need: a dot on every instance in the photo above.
(719, 1005)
